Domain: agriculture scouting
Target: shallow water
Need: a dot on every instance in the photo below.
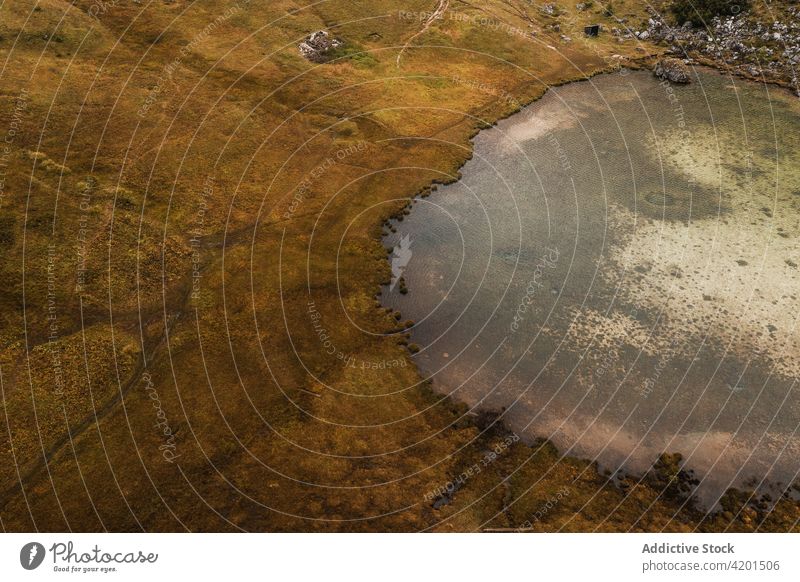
(618, 269)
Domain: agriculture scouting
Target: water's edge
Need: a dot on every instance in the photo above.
(641, 64)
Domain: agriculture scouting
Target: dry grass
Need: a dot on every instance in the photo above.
(272, 433)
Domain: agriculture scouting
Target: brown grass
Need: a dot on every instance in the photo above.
(272, 433)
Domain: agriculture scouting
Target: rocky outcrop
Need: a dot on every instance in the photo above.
(317, 45)
(746, 44)
(673, 70)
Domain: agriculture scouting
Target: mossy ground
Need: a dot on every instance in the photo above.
(193, 159)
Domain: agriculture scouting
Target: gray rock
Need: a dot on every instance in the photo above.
(317, 44)
(672, 70)
(548, 9)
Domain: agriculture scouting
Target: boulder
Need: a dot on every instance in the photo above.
(673, 70)
(317, 45)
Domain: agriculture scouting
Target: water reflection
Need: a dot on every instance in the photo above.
(618, 269)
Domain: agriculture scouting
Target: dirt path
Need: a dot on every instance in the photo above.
(435, 15)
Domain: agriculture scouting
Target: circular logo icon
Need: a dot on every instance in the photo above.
(31, 555)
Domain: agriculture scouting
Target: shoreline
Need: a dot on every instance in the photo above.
(619, 477)
(298, 152)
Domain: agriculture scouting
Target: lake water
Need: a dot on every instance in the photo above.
(618, 269)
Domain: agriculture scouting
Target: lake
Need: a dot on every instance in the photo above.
(617, 268)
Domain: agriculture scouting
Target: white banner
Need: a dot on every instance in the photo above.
(401, 557)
